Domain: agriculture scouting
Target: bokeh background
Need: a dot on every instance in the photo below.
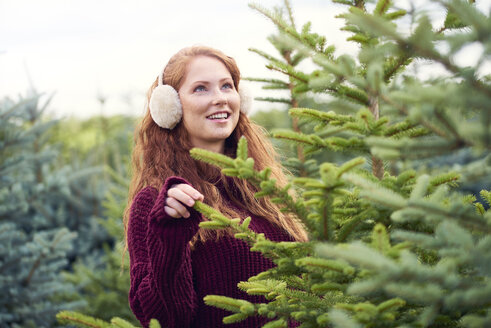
(88, 51)
(105, 50)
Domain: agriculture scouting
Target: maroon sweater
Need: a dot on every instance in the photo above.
(169, 280)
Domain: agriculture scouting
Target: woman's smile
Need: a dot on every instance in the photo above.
(219, 117)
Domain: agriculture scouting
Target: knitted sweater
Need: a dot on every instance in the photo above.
(169, 280)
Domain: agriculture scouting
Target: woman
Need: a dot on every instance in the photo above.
(173, 264)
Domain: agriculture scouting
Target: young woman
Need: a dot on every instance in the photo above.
(195, 102)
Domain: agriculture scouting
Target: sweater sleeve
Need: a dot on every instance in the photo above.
(160, 269)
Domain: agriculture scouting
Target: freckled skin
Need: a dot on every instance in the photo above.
(207, 89)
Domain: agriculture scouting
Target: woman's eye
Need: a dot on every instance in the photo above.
(199, 88)
(227, 86)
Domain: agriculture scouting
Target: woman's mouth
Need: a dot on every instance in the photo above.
(218, 116)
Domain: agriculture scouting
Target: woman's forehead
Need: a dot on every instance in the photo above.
(203, 68)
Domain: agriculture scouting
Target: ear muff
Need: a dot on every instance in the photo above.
(245, 99)
(166, 109)
(165, 106)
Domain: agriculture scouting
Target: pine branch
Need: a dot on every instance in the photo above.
(430, 209)
(288, 70)
(211, 157)
(414, 43)
(409, 148)
(442, 117)
(449, 178)
(316, 115)
(290, 13)
(325, 264)
(466, 218)
(266, 56)
(120, 323)
(274, 100)
(271, 81)
(81, 320)
(290, 30)
(404, 110)
(376, 192)
(382, 7)
(5, 114)
(63, 235)
(349, 226)
(154, 323)
(395, 14)
(229, 304)
(245, 169)
(296, 137)
(486, 195)
(395, 65)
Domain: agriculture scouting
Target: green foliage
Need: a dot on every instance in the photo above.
(391, 241)
(54, 254)
(84, 321)
(42, 220)
(102, 279)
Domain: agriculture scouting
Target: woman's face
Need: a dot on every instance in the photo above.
(210, 103)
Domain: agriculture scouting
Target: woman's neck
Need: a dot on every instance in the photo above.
(218, 147)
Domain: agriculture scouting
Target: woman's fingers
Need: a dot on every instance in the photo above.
(187, 189)
(171, 212)
(178, 196)
(178, 209)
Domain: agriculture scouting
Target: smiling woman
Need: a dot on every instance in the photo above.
(210, 103)
(196, 102)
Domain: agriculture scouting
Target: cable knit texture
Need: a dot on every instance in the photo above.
(169, 280)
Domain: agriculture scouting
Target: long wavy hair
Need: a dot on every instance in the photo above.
(159, 153)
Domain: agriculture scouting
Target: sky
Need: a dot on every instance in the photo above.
(85, 50)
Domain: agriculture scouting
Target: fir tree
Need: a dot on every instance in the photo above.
(389, 246)
(34, 242)
(104, 284)
(288, 59)
(52, 196)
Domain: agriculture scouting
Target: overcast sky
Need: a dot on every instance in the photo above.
(82, 49)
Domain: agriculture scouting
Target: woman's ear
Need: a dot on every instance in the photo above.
(165, 106)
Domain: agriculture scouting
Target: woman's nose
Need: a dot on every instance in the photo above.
(219, 98)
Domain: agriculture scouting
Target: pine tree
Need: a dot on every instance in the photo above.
(52, 198)
(34, 245)
(104, 285)
(102, 282)
(288, 59)
(390, 245)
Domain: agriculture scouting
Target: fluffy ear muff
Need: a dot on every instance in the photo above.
(165, 106)
(245, 99)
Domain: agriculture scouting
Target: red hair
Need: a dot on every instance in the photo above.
(160, 153)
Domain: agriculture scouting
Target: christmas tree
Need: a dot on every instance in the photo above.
(34, 198)
(104, 142)
(104, 283)
(52, 189)
(390, 243)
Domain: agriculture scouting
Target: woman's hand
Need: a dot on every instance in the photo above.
(178, 195)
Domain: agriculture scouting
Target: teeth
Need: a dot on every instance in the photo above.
(218, 116)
